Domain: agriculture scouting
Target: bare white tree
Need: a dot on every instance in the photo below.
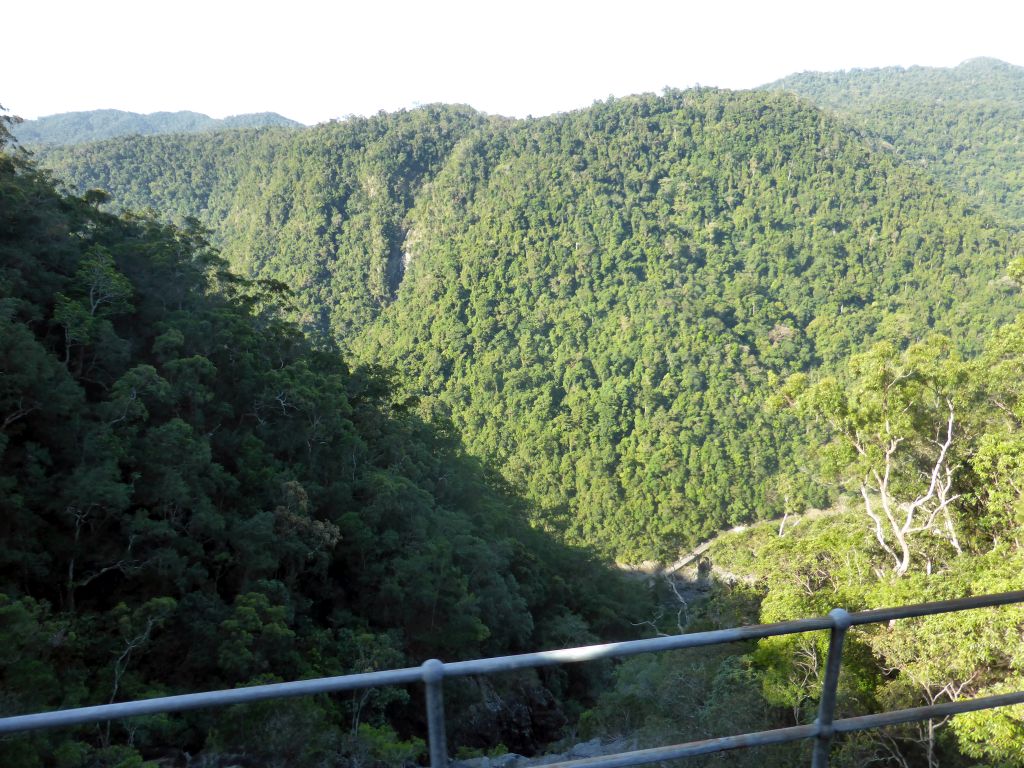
(928, 512)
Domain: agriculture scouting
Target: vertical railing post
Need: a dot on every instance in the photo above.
(433, 677)
(827, 705)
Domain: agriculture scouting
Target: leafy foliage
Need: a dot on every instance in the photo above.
(603, 301)
(322, 210)
(655, 318)
(599, 302)
(192, 496)
(962, 125)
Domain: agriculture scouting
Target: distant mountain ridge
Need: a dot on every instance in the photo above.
(99, 124)
(965, 124)
(980, 79)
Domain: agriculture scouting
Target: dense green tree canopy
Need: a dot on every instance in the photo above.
(961, 125)
(192, 496)
(604, 300)
(322, 210)
(601, 301)
(635, 325)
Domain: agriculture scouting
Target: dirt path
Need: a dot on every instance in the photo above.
(650, 568)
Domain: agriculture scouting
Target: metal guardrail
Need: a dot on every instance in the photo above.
(433, 672)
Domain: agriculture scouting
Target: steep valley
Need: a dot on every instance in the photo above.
(286, 402)
(598, 301)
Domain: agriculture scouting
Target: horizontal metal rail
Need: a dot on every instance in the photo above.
(795, 733)
(433, 672)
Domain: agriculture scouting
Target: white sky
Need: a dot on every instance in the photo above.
(317, 60)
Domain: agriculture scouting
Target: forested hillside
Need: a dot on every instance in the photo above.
(99, 124)
(963, 125)
(631, 326)
(928, 448)
(322, 209)
(600, 302)
(193, 497)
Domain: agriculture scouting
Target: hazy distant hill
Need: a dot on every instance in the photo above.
(99, 124)
(964, 124)
(860, 89)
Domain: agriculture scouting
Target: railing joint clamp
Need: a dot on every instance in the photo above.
(841, 618)
(433, 671)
